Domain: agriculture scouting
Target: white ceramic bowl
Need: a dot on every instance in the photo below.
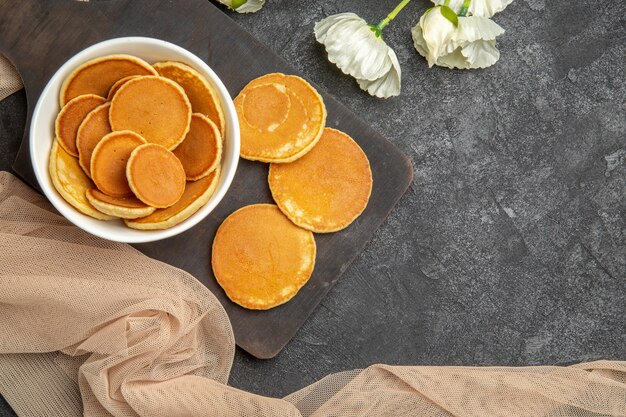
(47, 108)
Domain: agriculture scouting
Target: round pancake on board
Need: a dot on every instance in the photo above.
(71, 182)
(196, 195)
(260, 258)
(118, 84)
(155, 175)
(202, 95)
(94, 127)
(123, 207)
(154, 107)
(326, 189)
(281, 118)
(108, 162)
(201, 151)
(71, 116)
(98, 75)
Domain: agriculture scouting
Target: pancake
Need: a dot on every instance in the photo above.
(154, 107)
(260, 258)
(98, 75)
(108, 162)
(203, 97)
(123, 207)
(281, 118)
(196, 195)
(90, 132)
(155, 175)
(70, 118)
(326, 189)
(118, 84)
(71, 182)
(201, 151)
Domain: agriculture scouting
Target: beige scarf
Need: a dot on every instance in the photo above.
(10, 80)
(96, 328)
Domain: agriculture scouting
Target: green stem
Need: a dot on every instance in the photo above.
(381, 25)
(446, 3)
(464, 8)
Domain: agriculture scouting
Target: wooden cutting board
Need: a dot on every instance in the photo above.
(38, 36)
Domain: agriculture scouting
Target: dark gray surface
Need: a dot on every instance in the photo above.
(510, 247)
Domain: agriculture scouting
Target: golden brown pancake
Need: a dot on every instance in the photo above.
(260, 258)
(108, 162)
(201, 151)
(70, 118)
(155, 175)
(98, 75)
(202, 95)
(118, 84)
(71, 182)
(196, 195)
(281, 118)
(94, 127)
(155, 107)
(124, 207)
(326, 189)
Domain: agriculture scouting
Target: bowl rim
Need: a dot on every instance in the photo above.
(134, 236)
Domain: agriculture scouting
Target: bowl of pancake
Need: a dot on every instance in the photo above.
(135, 140)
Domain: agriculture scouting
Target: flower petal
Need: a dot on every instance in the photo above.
(454, 59)
(420, 45)
(357, 51)
(321, 27)
(481, 54)
(353, 46)
(250, 6)
(436, 32)
(475, 28)
(484, 8)
(418, 40)
(388, 85)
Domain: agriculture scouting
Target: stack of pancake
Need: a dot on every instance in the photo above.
(320, 179)
(137, 141)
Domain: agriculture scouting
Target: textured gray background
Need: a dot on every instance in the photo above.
(510, 246)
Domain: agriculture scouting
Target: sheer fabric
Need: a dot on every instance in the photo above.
(91, 327)
(10, 80)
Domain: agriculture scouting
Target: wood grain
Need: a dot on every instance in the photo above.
(39, 36)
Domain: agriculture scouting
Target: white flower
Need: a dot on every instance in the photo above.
(471, 45)
(353, 46)
(484, 8)
(244, 6)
